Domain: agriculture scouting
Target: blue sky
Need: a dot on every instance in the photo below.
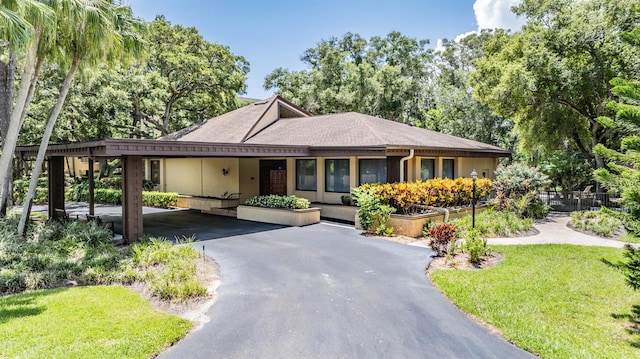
(275, 33)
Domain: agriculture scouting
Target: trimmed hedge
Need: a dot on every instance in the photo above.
(80, 193)
(435, 192)
(275, 201)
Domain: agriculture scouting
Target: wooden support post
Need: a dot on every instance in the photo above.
(132, 226)
(56, 185)
(92, 186)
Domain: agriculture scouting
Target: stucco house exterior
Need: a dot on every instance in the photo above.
(339, 151)
(268, 147)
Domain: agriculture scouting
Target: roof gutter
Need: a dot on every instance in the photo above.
(402, 161)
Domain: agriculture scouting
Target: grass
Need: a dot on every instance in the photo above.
(84, 322)
(597, 222)
(557, 301)
(491, 224)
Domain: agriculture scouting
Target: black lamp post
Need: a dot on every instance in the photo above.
(474, 177)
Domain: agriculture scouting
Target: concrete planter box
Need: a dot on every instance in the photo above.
(411, 226)
(288, 217)
(205, 203)
(337, 211)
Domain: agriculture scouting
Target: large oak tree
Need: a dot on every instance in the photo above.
(552, 78)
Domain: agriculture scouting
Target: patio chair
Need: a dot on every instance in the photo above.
(61, 215)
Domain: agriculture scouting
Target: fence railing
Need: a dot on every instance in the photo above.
(581, 201)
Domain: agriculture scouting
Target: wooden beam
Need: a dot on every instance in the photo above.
(56, 185)
(92, 187)
(132, 226)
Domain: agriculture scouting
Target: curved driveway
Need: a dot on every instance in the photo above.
(324, 291)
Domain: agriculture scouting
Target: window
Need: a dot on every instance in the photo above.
(306, 178)
(373, 170)
(427, 168)
(337, 176)
(155, 171)
(447, 169)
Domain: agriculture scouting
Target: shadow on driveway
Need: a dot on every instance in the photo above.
(186, 223)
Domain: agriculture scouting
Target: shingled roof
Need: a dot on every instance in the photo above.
(237, 125)
(259, 125)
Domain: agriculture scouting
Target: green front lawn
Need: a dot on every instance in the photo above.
(84, 322)
(557, 301)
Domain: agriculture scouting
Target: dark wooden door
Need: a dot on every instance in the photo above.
(278, 182)
(273, 177)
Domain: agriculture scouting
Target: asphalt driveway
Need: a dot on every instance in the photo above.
(324, 291)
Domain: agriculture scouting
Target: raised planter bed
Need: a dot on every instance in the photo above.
(287, 217)
(411, 226)
(206, 203)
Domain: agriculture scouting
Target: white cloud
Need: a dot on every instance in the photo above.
(491, 14)
(440, 45)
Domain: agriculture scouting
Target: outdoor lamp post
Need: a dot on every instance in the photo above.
(474, 177)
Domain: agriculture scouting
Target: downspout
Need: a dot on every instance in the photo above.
(402, 161)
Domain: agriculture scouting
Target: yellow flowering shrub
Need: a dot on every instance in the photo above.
(437, 192)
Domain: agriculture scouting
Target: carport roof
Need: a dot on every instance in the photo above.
(114, 147)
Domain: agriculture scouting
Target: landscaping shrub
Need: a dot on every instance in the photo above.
(21, 186)
(435, 192)
(475, 246)
(109, 182)
(372, 211)
(517, 188)
(159, 199)
(492, 223)
(53, 253)
(276, 201)
(79, 192)
(169, 269)
(442, 237)
(597, 222)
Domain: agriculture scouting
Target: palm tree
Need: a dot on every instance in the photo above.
(22, 24)
(92, 32)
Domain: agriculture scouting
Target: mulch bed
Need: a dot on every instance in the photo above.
(461, 261)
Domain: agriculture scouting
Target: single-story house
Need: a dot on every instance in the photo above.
(272, 147)
(343, 150)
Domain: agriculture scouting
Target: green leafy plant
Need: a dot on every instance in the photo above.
(276, 201)
(475, 246)
(598, 222)
(442, 236)
(630, 266)
(409, 197)
(372, 212)
(493, 223)
(517, 188)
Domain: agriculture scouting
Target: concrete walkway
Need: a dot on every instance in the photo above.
(554, 230)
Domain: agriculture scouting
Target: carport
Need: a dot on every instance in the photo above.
(131, 152)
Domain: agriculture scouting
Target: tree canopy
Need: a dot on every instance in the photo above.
(552, 78)
(180, 80)
(384, 76)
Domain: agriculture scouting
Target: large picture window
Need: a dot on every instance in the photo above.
(337, 176)
(306, 175)
(373, 170)
(447, 168)
(427, 169)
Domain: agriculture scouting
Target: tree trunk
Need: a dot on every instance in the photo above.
(7, 82)
(37, 168)
(11, 137)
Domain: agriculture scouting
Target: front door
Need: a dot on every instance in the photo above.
(273, 177)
